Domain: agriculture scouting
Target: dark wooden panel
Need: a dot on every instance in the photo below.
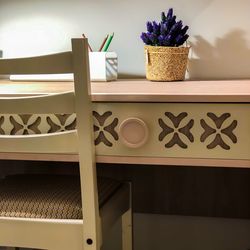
(197, 191)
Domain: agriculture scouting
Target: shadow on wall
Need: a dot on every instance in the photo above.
(131, 76)
(228, 58)
(3, 76)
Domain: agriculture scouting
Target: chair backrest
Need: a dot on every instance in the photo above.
(75, 62)
(77, 101)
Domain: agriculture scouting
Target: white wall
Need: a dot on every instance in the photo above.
(219, 29)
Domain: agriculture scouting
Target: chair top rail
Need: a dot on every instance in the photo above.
(47, 64)
(44, 104)
(59, 142)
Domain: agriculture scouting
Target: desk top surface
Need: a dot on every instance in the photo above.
(141, 90)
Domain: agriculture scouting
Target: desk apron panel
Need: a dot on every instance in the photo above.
(188, 130)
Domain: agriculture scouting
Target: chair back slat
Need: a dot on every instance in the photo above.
(49, 64)
(63, 103)
(61, 142)
(82, 141)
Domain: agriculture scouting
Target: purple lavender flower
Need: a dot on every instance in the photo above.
(150, 27)
(161, 40)
(163, 17)
(178, 39)
(164, 29)
(165, 40)
(184, 30)
(153, 38)
(156, 28)
(168, 40)
(145, 38)
(176, 28)
(172, 20)
(168, 32)
(170, 13)
(183, 40)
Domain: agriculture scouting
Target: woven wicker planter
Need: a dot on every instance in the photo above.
(166, 63)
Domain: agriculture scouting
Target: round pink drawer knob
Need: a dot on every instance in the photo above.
(133, 132)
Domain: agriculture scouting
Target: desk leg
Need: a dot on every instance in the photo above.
(127, 227)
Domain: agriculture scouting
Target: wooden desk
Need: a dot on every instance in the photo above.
(197, 123)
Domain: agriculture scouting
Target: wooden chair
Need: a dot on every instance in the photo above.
(59, 212)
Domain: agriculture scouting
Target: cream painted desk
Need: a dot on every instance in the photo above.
(198, 123)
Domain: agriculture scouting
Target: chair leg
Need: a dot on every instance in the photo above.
(127, 231)
(127, 227)
(65, 248)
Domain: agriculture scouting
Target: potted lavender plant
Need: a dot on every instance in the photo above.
(166, 58)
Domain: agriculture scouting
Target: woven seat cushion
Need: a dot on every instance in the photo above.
(47, 196)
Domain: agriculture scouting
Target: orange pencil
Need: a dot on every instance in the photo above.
(88, 43)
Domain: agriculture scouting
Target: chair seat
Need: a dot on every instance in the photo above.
(48, 196)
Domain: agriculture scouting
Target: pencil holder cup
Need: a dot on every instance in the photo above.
(103, 66)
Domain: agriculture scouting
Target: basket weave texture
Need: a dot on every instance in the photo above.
(48, 196)
(166, 63)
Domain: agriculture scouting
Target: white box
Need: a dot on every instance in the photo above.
(103, 66)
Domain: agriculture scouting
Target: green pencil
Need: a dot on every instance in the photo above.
(107, 43)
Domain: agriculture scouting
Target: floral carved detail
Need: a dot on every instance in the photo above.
(105, 132)
(25, 124)
(61, 122)
(1, 123)
(219, 131)
(176, 130)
